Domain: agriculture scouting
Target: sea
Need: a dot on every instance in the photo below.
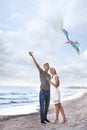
(19, 100)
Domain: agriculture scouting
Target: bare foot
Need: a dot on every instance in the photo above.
(64, 120)
(56, 121)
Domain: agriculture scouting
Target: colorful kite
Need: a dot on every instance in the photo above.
(74, 44)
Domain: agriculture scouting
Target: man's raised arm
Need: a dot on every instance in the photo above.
(37, 65)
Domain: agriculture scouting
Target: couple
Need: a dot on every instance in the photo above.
(44, 95)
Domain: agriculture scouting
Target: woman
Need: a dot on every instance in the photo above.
(55, 94)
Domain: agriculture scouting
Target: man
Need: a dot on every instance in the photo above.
(44, 95)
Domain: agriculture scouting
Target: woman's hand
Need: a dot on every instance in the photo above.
(48, 79)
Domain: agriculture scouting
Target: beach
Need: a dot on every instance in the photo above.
(75, 110)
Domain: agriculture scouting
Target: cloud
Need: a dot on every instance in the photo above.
(76, 12)
(84, 56)
(42, 35)
(16, 16)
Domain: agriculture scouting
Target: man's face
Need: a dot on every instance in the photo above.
(46, 66)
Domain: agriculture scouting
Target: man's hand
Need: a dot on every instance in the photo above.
(30, 53)
(36, 63)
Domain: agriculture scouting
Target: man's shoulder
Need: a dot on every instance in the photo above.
(41, 71)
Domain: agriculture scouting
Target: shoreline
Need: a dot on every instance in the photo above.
(29, 109)
(75, 110)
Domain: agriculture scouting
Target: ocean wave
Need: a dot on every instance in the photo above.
(17, 96)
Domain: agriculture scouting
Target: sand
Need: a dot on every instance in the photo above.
(75, 110)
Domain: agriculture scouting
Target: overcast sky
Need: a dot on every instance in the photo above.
(33, 25)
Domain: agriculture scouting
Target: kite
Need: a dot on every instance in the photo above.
(75, 44)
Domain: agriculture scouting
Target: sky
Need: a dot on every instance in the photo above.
(34, 25)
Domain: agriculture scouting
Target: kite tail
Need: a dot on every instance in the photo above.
(74, 44)
(77, 44)
(65, 33)
(76, 48)
(66, 42)
(60, 24)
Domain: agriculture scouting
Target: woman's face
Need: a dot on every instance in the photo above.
(51, 70)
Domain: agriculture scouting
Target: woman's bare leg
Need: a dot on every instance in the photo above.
(62, 112)
(57, 112)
